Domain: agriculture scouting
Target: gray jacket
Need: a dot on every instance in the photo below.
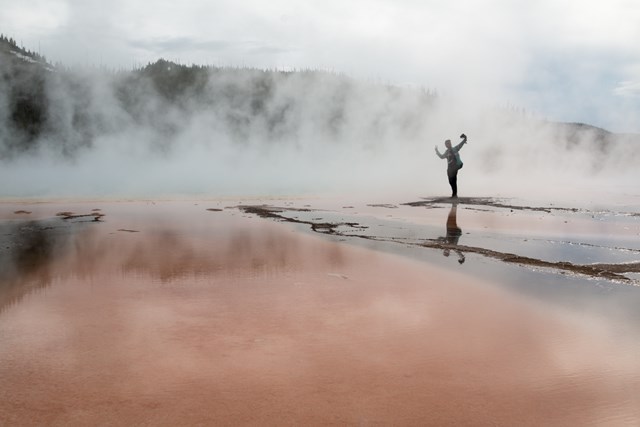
(452, 156)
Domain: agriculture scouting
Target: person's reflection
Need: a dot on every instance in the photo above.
(453, 233)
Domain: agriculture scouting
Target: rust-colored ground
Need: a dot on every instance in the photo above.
(170, 314)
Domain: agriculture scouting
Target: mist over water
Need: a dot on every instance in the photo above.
(168, 130)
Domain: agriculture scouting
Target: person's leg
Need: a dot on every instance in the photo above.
(453, 182)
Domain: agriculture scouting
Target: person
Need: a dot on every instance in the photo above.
(454, 163)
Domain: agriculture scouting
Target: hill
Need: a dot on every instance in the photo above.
(67, 109)
(23, 82)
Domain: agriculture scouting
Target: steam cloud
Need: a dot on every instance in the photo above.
(168, 129)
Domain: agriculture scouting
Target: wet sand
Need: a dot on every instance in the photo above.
(202, 313)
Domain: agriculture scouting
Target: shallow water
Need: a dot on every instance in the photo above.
(543, 234)
(166, 313)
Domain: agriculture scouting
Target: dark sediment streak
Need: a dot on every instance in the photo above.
(265, 211)
(95, 215)
(484, 201)
(430, 202)
(606, 271)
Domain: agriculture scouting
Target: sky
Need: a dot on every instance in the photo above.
(564, 60)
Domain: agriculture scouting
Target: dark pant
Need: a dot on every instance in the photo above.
(453, 181)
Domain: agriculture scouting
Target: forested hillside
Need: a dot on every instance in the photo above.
(67, 109)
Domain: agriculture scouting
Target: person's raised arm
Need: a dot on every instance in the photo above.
(438, 153)
(464, 141)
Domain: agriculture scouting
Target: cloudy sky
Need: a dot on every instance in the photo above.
(565, 60)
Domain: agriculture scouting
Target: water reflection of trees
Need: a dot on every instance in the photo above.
(34, 254)
(170, 255)
(27, 251)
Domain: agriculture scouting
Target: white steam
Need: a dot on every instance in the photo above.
(314, 132)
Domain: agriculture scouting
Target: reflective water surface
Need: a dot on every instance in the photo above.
(168, 314)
